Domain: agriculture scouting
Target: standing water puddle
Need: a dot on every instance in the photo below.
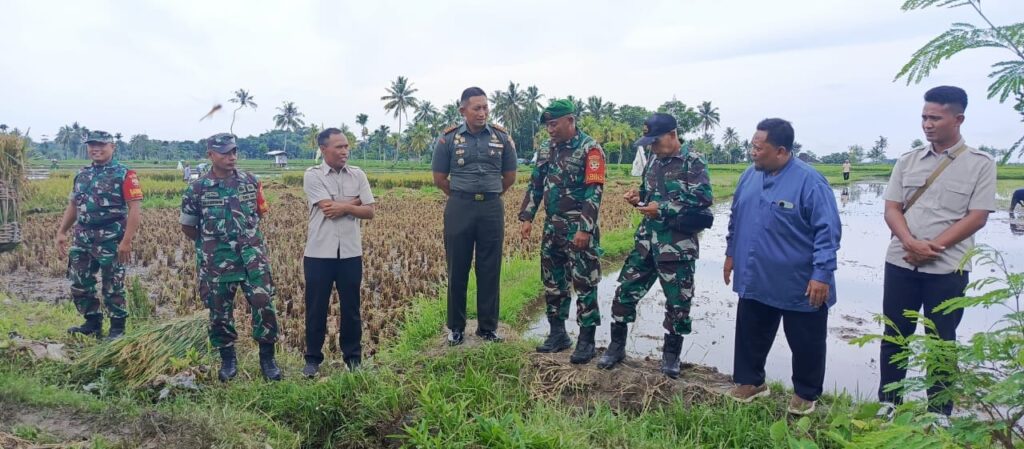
(858, 284)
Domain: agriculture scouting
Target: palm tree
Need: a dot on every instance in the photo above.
(289, 119)
(531, 110)
(3, 129)
(382, 134)
(508, 106)
(243, 99)
(361, 120)
(709, 117)
(730, 137)
(398, 100)
(451, 113)
(427, 114)
(419, 138)
(580, 106)
(64, 137)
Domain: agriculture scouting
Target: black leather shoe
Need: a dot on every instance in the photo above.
(489, 336)
(455, 338)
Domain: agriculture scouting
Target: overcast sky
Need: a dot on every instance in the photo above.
(155, 67)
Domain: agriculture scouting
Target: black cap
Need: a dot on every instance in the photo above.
(656, 126)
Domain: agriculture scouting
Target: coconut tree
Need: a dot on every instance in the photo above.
(709, 117)
(508, 106)
(244, 100)
(730, 138)
(451, 113)
(427, 114)
(288, 119)
(398, 100)
(419, 137)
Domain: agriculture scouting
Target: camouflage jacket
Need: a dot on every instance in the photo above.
(686, 187)
(100, 194)
(226, 212)
(569, 179)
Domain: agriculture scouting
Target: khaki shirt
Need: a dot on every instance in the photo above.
(337, 238)
(968, 183)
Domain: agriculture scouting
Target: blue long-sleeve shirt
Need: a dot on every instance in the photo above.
(784, 231)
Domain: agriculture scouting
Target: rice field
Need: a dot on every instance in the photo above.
(403, 251)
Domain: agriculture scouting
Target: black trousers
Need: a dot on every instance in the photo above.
(756, 326)
(912, 290)
(322, 276)
(474, 226)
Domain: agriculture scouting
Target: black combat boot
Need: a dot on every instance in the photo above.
(116, 328)
(228, 364)
(616, 351)
(93, 326)
(670, 355)
(557, 340)
(584, 346)
(267, 364)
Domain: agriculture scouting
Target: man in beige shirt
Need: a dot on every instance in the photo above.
(338, 196)
(932, 236)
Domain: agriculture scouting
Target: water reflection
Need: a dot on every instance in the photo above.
(858, 284)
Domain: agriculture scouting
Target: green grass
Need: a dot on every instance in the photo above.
(412, 393)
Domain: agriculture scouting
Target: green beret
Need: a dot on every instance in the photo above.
(557, 109)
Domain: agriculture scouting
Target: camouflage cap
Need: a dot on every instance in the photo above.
(222, 143)
(557, 109)
(97, 136)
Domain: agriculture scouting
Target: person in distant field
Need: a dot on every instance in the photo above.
(1018, 198)
(846, 170)
(932, 235)
(105, 207)
(474, 164)
(187, 172)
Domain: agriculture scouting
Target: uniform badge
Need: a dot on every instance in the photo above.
(461, 162)
(460, 151)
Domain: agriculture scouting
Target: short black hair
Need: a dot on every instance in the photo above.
(471, 92)
(948, 96)
(780, 132)
(321, 139)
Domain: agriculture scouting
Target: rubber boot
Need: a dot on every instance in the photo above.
(585, 350)
(267, 364)
(116, 328)
(93, 326)
(558, 340)
(616, 351)
(228, 364)
(670, 355)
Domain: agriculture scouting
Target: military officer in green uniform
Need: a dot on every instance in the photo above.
(569, 180)
(674, 197)
(474, 163)
(105, 207)
(221, 213)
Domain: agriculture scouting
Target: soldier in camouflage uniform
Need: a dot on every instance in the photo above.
(105, 207)
(675, 186)
(221, 212)
(569, 179)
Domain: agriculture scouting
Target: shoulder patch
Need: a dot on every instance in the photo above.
(499, 128)
(450, 129)
(594, 169)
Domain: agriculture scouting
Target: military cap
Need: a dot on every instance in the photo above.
(222, 143)
(97, 136)
(656, 126)
(557, 109)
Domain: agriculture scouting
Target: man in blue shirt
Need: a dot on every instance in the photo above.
(784, 233)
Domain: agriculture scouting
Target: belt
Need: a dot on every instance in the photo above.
(475, 196)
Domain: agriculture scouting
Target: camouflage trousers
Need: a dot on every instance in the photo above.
(96, 251)
(560, 264)
(220, 299)
(638, 274)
